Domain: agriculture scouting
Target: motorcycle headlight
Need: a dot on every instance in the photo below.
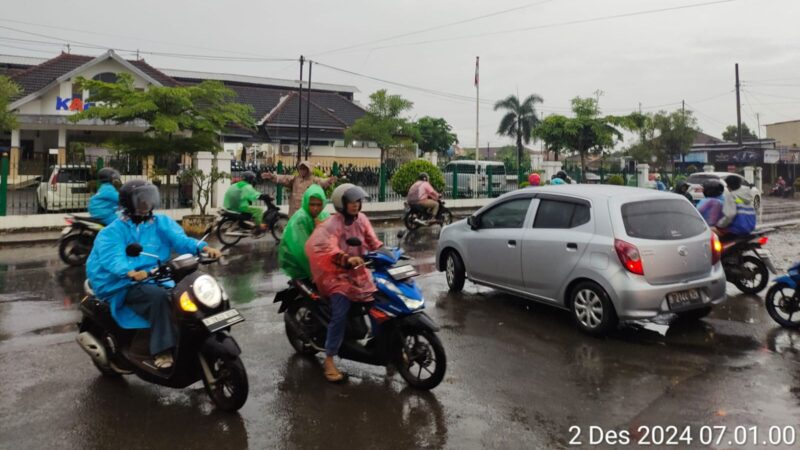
(207, 291)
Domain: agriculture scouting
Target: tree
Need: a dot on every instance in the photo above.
(552, 131)
(731, 133)
(203, 183)
(435, 135)
(519, 121)
(676, 133)
(8, 90)
(182, 119)
(383, 124)
(508, 156)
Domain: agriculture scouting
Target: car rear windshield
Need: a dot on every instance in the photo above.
(699, 179)
(663, 220)
(73, 175)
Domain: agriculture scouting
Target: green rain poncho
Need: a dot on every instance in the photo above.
(240, 196)
(292, 257)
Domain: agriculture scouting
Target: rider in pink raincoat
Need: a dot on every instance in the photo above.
(338, 269)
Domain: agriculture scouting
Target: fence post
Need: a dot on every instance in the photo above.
(455, 181)
(382, 184)
(100, 163)
(489, 178)
(335, 169)
(3, 181)
(279, 186)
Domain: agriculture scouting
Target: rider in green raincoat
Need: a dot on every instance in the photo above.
(292, 257)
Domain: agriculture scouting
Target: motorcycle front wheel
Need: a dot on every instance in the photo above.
(783, 305)
(447, 217)
(420, 358)
(753, 277)
(74, 249)
(230, 388)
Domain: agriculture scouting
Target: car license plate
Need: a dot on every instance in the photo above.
(683, 299)
(222, 320)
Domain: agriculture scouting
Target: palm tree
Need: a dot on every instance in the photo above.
(519, 121)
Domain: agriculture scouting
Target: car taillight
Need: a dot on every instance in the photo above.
(716, 249)
(69, 221)
(763, 240)
(629, 256)
(54, 183)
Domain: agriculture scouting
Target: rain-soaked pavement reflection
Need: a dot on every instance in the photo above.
(519, 373)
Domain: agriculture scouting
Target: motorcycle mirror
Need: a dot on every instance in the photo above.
(133, 250)
(353, 242)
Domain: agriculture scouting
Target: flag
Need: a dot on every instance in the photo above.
(477, 58)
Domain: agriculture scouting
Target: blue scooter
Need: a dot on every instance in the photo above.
(783, 299)
(398, 332)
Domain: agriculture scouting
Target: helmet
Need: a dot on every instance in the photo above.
(682, 187)
(138, 199)
(713, 188)
(108, 175)
(563, 175)
(346, 193)
(733, 182)
(249, 177)
(422, 176)
(534, 179)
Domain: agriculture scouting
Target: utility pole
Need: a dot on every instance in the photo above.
(758, 121)
(477, 122)
(308, 109)
(738, 107)
(300, 113)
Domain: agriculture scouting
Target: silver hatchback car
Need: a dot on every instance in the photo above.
(606, 253)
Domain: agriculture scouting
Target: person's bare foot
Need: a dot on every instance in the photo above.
(332, 374)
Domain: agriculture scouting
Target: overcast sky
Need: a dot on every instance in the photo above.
(558, 49)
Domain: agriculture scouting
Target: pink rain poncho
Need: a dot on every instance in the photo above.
(328, 252)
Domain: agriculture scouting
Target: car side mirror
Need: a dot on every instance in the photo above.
(353, 242)
(38, 179)
(473, 222)
(133, 250)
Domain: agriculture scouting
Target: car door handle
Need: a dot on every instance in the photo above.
(512, 243)
(571, 246)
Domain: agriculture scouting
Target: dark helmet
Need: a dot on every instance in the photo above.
(138, 199)
(733, 182)
(563, 175)
(249, 177)
(422, 176)
(682, 187)
(347, 193)
(108, 175)
(713, 188)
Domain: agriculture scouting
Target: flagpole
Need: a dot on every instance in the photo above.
(477, 122)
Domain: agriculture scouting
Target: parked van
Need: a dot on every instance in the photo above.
(466, 176)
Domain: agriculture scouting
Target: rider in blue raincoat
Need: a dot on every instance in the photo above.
(104, 204)
(112, 274)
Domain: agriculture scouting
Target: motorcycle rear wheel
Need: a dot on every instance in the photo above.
(410, 221)
(74, 249)
(780, 299)
(416, 352)
(224, 226)
(760, 276)
(230, 390)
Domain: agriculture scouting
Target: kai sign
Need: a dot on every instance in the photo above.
(71, 104)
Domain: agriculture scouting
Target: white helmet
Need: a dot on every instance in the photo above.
(346, 193)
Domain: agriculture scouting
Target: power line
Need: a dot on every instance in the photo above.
(560, 24)
(434, 28)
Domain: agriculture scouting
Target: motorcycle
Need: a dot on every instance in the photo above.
(232, 226)
(77, 239)
(398, 332)
(203, 318)
(747, 264)
(416, 216)
(783, 299)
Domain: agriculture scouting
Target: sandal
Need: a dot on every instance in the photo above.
(163, 361)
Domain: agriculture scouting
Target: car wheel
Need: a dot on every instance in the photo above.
(454, 271)
(591, 308)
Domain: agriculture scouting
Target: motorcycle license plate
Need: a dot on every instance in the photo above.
(222, 320)
(683, 299)
(403, 272)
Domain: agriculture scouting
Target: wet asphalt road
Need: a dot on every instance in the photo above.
(519, 374)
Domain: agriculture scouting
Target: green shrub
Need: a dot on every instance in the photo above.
(678, 179)
(524, 184)
(796, 184)
(407, 174)
(616, 180)
(691, 169)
